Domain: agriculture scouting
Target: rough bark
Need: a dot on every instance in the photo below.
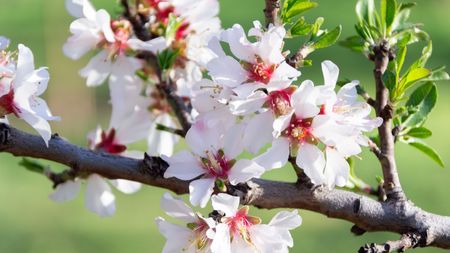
(271, 11)
(401, 217)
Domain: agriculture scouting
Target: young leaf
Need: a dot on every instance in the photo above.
(419, 132)
(298, 7)
(400, 59)
(438, 74)
(427, 150)
(390, 80)
(167, 58)
(422, 100)
(414, 76)
(301, 28)
(327, 38)
(388, 10)
(316, 27)
(354, 43)
(365, 11)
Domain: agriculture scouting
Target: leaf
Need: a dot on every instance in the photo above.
(327, 38)
(32, 165)
(426, 54)
(298, 7)
(390, 80)
(438, 74)
(419, 132)
(400, 59)
(301, 28)
(354, 43)
(427, 150)
(422, 101)
(172, 27)
(316, 27)
(167, 58)
(365, 11)
(388, 11)
(414, 76)
(404, 6)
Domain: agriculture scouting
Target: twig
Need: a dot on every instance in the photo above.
(271, 12)
(384, 110)
(170, 130)
(363, 93)
(366, 213)
(296, 59)
(408, 241)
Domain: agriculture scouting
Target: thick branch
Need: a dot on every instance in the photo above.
(384, 110)
(271, 11)
(367, 214)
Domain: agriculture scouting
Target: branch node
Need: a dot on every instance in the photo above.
(5, 135)
(154, 166)
(357, 230)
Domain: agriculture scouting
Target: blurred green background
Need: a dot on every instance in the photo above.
(30, 222)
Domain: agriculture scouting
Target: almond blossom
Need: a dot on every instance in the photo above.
(193, 237)
(237, 231)
(20, 87)
(257, 65)
(94, 29)
(212, 159)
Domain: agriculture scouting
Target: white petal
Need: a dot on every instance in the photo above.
(104, 21)
(99, 198)
(337, 170)
(155, 45)
(276, 156)
(233, 145)
(39, 124)
(226, 71)
(183, 165)
(25, 64)
(258, 132)
(311, 159)
(281, 123)
(126, 186)
(286, 220)
(200, 190)
(202, 137)
(239, 44)
(66, 191)
(330, 73)
(221, 242)
(175, 207)
(248, 105)
(225, 203)
(4, 42)
(97, 70)
(177, 236)
(244, 170)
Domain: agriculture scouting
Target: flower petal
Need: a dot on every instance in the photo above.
(200, 190)
(99, 198)
(66, 191)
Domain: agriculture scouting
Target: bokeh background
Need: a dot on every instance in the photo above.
(30, 222)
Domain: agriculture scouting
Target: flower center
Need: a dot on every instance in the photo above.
(260, 71)
(217, 164)
(7, 105)
(108, 143)
(122, 32)
(299, 131)
(280, 101)
(199, 238)
(241, 222)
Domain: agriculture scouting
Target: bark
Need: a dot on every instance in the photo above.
(401, 217)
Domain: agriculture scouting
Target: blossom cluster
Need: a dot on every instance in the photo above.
(251, 112)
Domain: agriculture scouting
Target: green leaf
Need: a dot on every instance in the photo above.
(388, 11)
(301, 28)
(390, 80)
(426, 54)
(414, 76)
(167, 58)
(419, 132)
(400, 59)
(316, 27)
(439, 74)
(421, 101)
(427, 150)
(327, 38)
(32, 165)
(298, 7)
(172, 27)
(365, 11)
(354, 43)
(404, 6)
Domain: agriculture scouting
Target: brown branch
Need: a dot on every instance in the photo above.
(271, 12)
(363, 93)
(384, 110)
(367, 214)
(408, 241)
(296, 59)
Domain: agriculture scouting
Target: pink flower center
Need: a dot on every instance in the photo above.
(7, 105)
(200, 239)
(162, 10)
(280, 101)
(122, 32)
(217, 165)
(108, 143)
(260, 71)
(241, 222)
(300, 131)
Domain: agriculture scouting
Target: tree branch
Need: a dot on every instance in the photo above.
(385, 110)
(271, 12)
(408, 241)
(367, 214)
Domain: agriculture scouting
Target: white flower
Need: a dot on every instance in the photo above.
(4, 43)
(20, 87)
(98, 196)
(193, 236)
(212, 159)
(259, 65)
(239, 232)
